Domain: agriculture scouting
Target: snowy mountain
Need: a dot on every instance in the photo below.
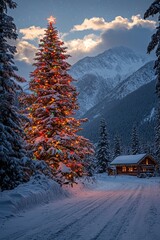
(139, 78)
(92, 89)
(136, 107)
(99, 75)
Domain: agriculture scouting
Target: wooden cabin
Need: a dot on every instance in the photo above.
(136, 165)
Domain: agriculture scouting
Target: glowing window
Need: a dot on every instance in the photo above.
(130, 169)
(147, 162)
(124, 169)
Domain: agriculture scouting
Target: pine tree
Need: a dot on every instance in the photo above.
(148, 148)
(135, 145)
(117, 146)
(155, 41)
(103, 153)
(91, 165)
(52, 132)
(13, 158)
(157, 136)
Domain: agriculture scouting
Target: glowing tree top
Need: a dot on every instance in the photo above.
(51, 20)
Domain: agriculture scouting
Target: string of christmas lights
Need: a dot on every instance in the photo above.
(51, 133)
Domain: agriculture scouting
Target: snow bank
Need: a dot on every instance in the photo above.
(82, 186)
(39, 190)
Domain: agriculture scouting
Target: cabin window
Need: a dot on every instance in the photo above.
(124, 169)
(144, 169)
(147, 162)
(130, 169)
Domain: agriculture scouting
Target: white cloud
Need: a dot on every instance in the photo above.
(62, 36)
(25, 51)
(97, 23)
(79, 48)
(90, 44)
(83, 45)
(32, 33)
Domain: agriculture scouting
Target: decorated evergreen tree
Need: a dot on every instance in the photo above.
(52, 132)
(103, 153)
(117, 146)
(14, 162)
(135, 145)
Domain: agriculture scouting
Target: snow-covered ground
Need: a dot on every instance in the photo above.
(112, 208)
(38, 191)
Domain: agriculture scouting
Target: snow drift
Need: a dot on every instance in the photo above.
(39, 190)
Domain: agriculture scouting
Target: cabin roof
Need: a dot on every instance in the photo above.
(128, 159)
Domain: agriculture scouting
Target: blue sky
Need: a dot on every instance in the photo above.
(88, 27)
(71, 12)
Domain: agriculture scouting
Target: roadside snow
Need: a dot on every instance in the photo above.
(39, 190)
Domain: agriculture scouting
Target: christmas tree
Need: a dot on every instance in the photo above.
(103, 153)
(14, 162)
(52, 133)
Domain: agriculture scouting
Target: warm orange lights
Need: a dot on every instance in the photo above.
(51, 133)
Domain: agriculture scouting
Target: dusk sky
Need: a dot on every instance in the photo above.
(88, 27)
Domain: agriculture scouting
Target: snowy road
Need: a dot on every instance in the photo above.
(121, 208)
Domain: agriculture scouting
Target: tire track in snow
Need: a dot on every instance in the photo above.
(119, 221)
(49, 217)
(72, 219)
(152, 216)
(105, 214)
(70, 231)
(87, 204)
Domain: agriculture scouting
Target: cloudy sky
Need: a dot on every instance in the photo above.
(87, 27)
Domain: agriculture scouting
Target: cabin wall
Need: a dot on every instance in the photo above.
(148, 161)
(129, 170)
(135, 170)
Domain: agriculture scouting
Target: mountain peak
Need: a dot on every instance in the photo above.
(121, 52)
(109, 63)
(99, 75)
(118, 49)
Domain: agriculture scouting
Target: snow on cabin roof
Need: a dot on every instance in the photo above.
(128, 159)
